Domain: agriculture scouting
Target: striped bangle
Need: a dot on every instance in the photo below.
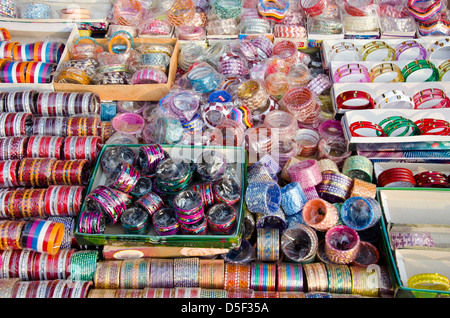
(161, 273)
(316, 277)
(263, 276)
(211, 273)
(289, 277)
(268, 244)
(185, 272)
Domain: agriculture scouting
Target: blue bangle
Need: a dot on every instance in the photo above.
(118, 32)
(263, 196)
(360, 213)
(9, 72)
(204, 79)
(292, 198)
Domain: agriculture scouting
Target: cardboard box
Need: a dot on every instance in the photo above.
(142, 92)
(34, 32)
(376, 89)
(420, 142)
(116, 235)
(328, 43)
(99, 10)
(426, 213)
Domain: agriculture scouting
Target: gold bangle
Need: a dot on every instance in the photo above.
(377, 45)
(72, 75)
(433, 281)
(384, 68)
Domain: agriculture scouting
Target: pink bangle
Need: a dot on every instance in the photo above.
(348, 72)
(149, 76)
(286, 50)
(341, 244)
(306, 172)
(128, 123)
(282, 124)
(301, 102)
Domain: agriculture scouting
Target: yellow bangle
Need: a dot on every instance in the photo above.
(378, 45)
(433, 281)
(115, 38)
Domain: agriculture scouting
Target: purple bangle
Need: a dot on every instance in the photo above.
(264, 46)
(149, 76)
(410, 44)
(341, 244)
(306, 172)
(248, 50)
(233, 67)
(331, 129)
(319, 84)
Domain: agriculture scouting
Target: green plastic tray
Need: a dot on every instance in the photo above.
(115, 234)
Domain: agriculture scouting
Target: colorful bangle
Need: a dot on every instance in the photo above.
(341, 244)
(335, 186)
(393, 123)
(378, 46)
(407, 46)
(423, 13)
(429, 281)
(430, 98)
(320, 214)
(358, 167)
(431, 126)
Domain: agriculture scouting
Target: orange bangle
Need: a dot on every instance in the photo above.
(21, 75)
(211, 273)
(72, 75)
(181, 12)
(237, 276)
(115, 38)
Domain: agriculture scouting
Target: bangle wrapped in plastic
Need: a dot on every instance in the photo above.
(292, 198)
(221, 218)
(128, 12)
(286, 50)
(358, 167)
(204, 79)
(111, 202)
(360, 213)
(229, 9)
(320, 214)
(341, 244)
(302, 103)
(335, 186)
(299, 243)
(263, 197)
(181, 12)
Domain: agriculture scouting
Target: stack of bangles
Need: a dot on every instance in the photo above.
(344, 51)
(222, 26)
(313, 7)
(378, 51)
(181, 12)
(352, 100)
(424, 13)
(386, 73)
(410, 45)
(273, 9)
(420, 66)
(394, 99)
(289, 31)
(352, 73)
(302, 103)
(26, 72)
(438, 25)
(190, 33)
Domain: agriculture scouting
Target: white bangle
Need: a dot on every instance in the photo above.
(394, 99)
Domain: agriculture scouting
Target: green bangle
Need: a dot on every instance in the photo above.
(394, 123)
(417, 65)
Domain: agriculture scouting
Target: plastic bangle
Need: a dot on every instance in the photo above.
(395, 100)
(351, 100)
(378, 71)
(430, 281)
(416, 67)
(351, 209)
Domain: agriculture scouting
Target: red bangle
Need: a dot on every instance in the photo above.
(366, 125)
(313, 10)
(393, 176)
(344, 97)
(431, 94)
(431, 126)
(357, 11)
(431, 179)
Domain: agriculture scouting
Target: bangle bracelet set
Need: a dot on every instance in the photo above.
(399, 126)
(430, 98)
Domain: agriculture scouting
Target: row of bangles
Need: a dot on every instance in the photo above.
(391, 72)
(429, 98)
(400, 126)
(121, 63)
(387, 51)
